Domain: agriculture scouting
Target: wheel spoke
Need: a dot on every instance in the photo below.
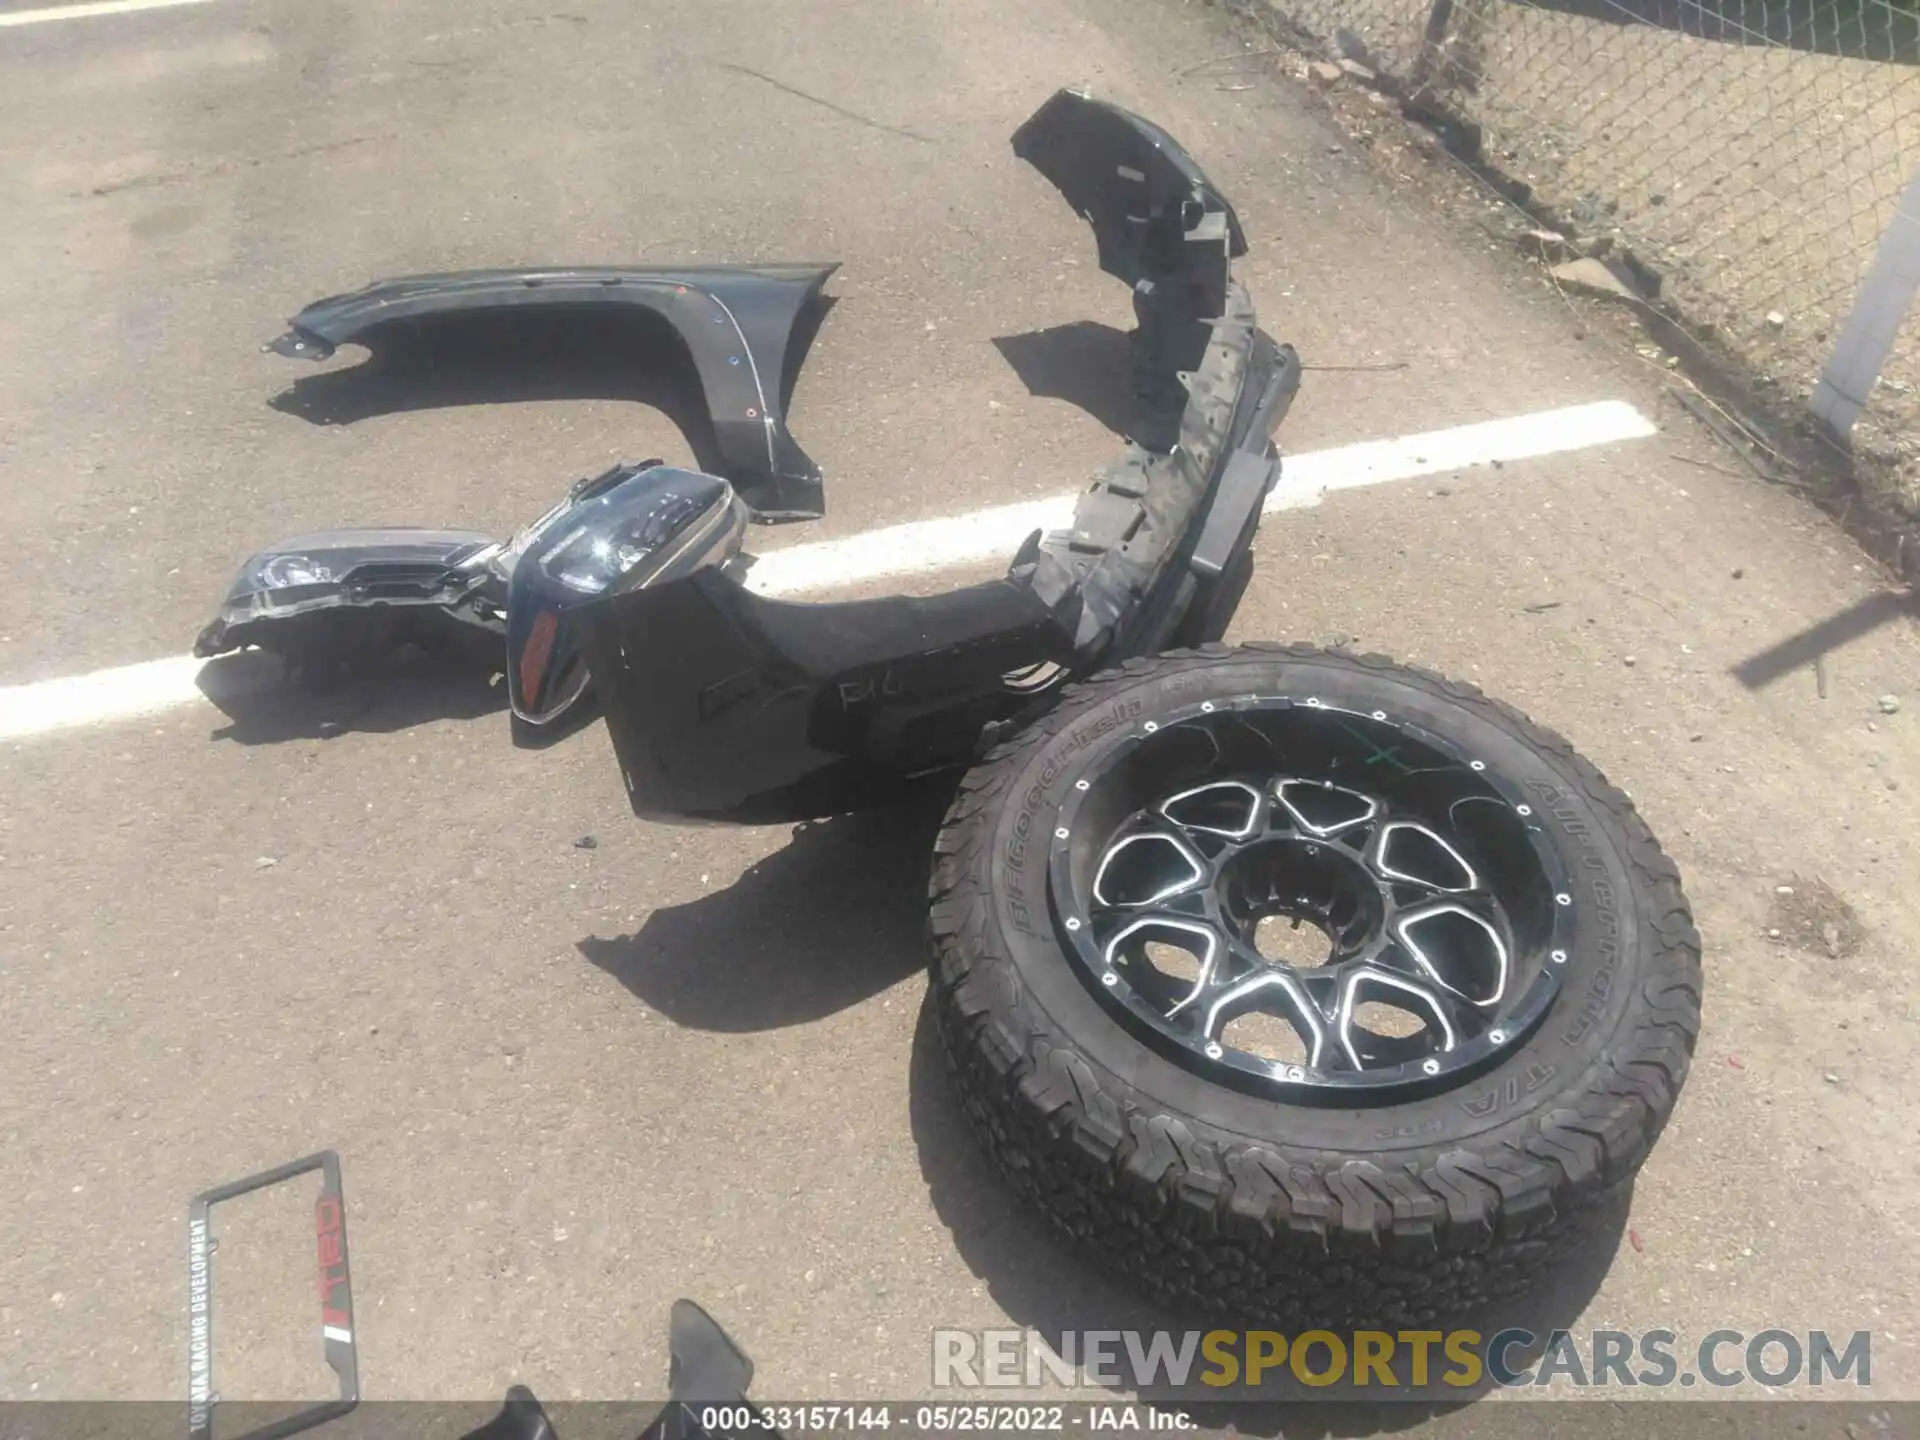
(1228, 809)
(1365, 1048)
(1321, 809)
(1457, 948)
(1174, 955)
(1405, 852)
(1274, 992)
(1149, 864)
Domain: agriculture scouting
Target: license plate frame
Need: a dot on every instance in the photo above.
(335, 1288)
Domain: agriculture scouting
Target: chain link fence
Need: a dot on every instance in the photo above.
(1751, 152)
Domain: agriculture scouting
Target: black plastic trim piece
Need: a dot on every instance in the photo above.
(764, 710)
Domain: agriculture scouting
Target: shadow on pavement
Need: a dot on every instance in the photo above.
(1811, 644)
(264, 706)
(838, 915)
(1044, 1284)
(832, 919)
(1086, 364)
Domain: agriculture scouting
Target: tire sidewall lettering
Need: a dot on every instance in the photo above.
(1026, 886)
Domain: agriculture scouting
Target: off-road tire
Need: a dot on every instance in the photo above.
(1242, 1205)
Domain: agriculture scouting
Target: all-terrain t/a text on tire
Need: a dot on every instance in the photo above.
(1415, 1110)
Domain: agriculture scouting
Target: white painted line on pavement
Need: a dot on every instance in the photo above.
(928, 545)
(1305, 478)
(83, 12)
(921, 547)
(118, 694)
(916, 548)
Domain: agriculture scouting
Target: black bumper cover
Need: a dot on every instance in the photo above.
(724, 705)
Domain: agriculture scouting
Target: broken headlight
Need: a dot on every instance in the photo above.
(633, 526)
(680, 517)
(346, 568)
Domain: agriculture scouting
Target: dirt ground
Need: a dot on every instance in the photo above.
(1757, 179)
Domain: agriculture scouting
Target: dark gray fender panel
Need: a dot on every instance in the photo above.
(736, 321)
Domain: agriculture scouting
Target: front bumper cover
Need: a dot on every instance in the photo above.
(725, 705)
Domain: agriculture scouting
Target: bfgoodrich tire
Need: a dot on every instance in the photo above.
(1382, 1183)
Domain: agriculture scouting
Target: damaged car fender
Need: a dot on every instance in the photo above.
(738, 322)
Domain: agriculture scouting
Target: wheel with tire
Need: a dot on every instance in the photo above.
(1307, 985)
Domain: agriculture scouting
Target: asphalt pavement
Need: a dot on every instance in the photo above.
(570, 1083)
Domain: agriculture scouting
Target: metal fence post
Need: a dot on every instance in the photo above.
(1887, 294)
(1426, 65)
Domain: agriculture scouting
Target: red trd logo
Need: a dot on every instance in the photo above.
(330, 1230)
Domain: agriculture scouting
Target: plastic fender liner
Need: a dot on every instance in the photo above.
(1211, 385)
(737, 322)
(1153, 531)
(1159, 224)
(1121, 174)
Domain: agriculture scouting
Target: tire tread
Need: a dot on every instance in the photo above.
(1348, 1241)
